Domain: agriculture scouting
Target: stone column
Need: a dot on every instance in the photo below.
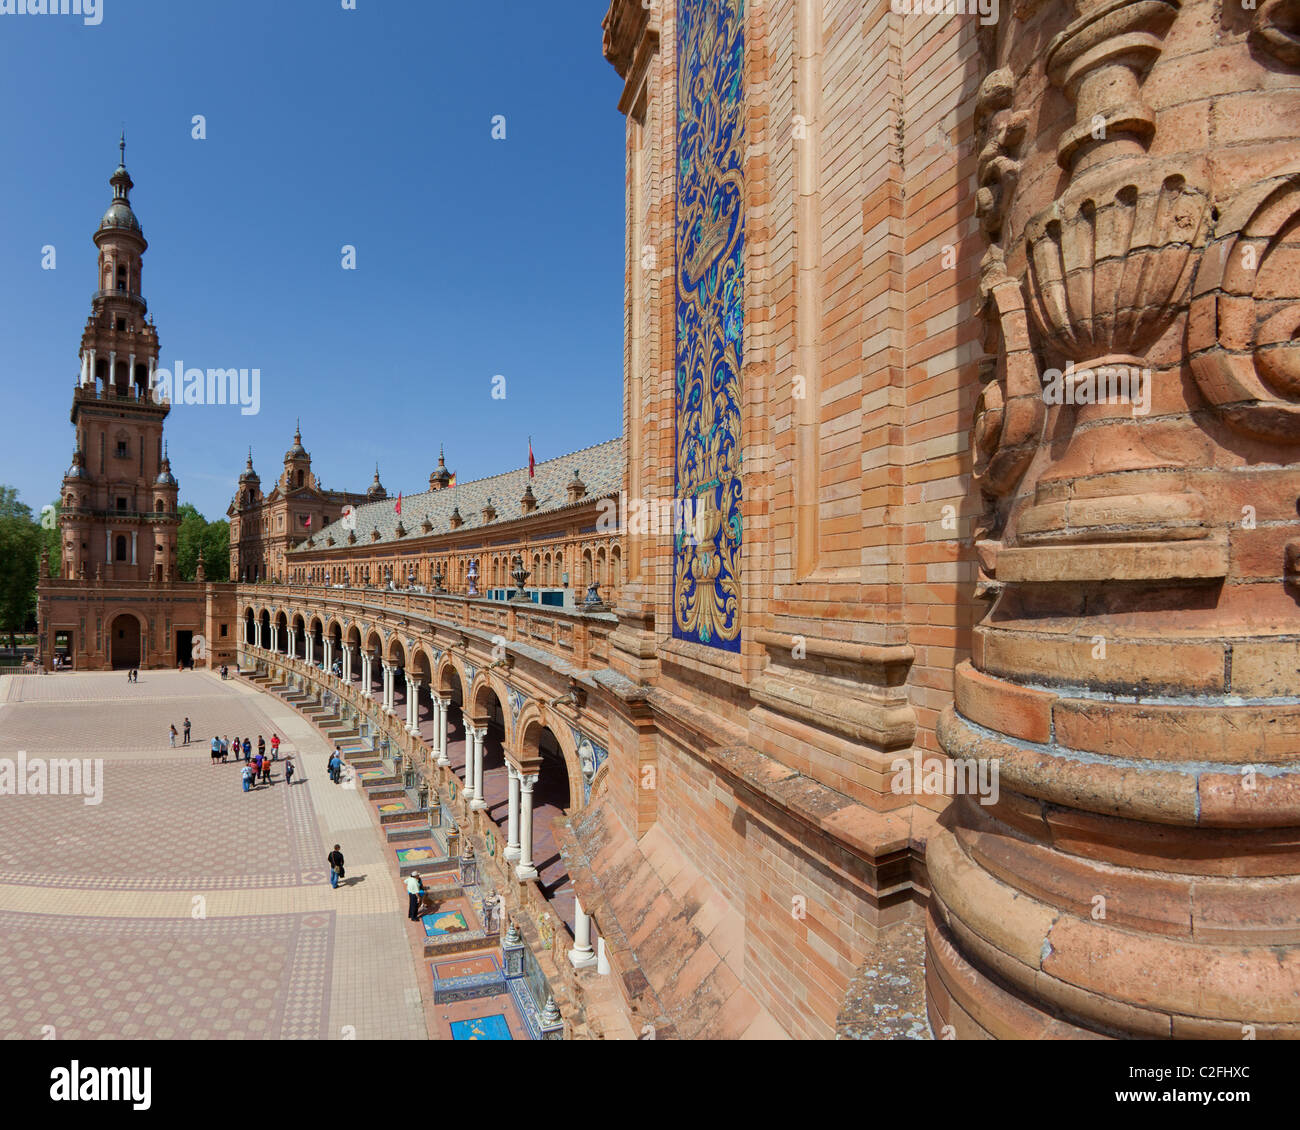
(293, 644)
(307, 648)
(365, 674)
(478, 734)
(134, 537)
(347, 663)
(582, 955)
(526, 870)
(275, 637)
(512, 817)
(440, 707)
(471, 779)
(413, 705)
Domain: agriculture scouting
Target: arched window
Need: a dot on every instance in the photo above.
(158, 506)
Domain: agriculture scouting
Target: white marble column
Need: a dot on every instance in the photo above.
(582, 955)
(365, 674)
(329, 656)
(479, 736)
(293, 644)
(413, 705)
(471, 777)
(307, 649)
(260, 643)
(388, 687)
(134, 536)
(440, 708)
(526, 870)
(275, 637)
(512, 815)
(347, 663)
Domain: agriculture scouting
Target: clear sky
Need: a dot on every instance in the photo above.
(372, 128)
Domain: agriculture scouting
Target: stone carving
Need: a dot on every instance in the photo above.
(1009, 412)
(1243, 334)
(1111, 263)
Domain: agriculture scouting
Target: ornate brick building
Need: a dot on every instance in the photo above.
(117, 601)
(265, 527)
(967, 701)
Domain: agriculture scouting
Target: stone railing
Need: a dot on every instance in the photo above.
(581, 638)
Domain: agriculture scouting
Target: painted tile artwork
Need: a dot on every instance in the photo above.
(440, 925)
(483, 1028)
(415, 855)
(710, 238)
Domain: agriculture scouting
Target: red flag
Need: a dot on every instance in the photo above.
(452, 481)
(532, 463)
(399, 501)
(307, 521)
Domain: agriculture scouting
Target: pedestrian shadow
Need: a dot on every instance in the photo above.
(352, 880)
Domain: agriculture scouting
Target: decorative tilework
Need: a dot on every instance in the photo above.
(483, 1028)
(592, 757)
(710, 239)
(439, 925)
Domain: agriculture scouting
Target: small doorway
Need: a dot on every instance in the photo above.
(185, 648)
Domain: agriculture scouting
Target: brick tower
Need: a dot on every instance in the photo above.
(117, 599)
(119, 496)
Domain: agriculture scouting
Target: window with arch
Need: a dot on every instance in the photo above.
(158, 506)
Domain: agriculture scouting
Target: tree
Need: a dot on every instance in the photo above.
(196, 533)
(20, 545)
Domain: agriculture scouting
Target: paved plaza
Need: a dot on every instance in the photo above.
(178, 906)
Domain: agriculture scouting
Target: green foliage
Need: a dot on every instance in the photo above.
(197, 533)
(20, 546)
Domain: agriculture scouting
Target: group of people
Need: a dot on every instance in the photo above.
(133, 675)
(335, 766)
(259, 771)
(222, 748)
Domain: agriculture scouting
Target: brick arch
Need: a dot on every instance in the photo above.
(421, 664)
(476, 701)
(395, 652)
(442, 679)
(372, 639)
(532, 719)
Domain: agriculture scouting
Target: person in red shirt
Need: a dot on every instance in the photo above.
(275, 747)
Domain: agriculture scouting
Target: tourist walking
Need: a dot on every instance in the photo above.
(266, 768)
(187, 731)
(225, 748)
(248, 748)
(335, 860)
(414, 888)
(334, 766)
(261, 746)
(216, 749)
(172, 735)
(288, 770)
(275, 747)
(257, 769)
(247, 775)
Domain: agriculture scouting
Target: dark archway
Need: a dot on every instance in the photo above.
(124, 642)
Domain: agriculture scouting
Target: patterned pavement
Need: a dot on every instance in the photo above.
(180, 906)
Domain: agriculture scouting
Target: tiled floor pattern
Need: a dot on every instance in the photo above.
(181, 907)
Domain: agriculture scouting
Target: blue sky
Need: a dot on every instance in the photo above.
(325, 127)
